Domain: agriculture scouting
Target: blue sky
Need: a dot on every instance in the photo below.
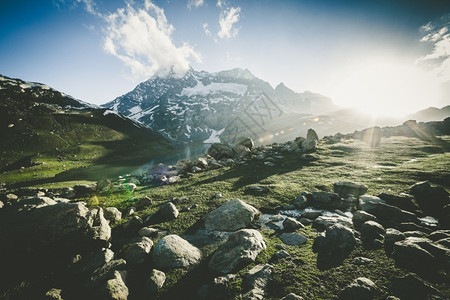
(377, 55)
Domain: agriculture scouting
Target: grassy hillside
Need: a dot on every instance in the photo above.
(45, 133)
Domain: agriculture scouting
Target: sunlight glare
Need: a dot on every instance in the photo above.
(386, 89)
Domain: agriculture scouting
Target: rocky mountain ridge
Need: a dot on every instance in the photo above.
(200, 106)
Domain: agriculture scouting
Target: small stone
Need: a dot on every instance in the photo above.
(291, 224)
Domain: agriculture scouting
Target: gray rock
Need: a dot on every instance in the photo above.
(371, 231)
(388, 215)
(409, 226)
(167, 212)
(220, 151)
(116, 288)
(444, 242)
(329, 201)
(292, 296)
(2, 204)
(300, 202)
(155, 281)
(359, 261)
(150, 232)
(344, 188)
(112, 214)
(143, 203)
(410, 255)
(413, 287)
(291, 224)
(93, 261)
(201, 162)
(138, 252)
(255, 282)
(174, 252)
(231, 216)
(106, 272)
(312, 135)
(360, 217)
(368, 201)
(306, 221)
(309, 145)
(414, 233)
(323, 222)
(247, 142)
(334, 246)
(293, 239)
(360, 289)
(241, 248)
(391, 236)
(403, 201)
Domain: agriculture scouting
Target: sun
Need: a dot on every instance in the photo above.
(386, 89)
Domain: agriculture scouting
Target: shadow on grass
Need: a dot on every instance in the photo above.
(254, 172)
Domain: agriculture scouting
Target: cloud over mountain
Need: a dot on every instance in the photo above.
(141, 38)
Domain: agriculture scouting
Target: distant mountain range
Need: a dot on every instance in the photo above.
(203, 107)
(36, 119)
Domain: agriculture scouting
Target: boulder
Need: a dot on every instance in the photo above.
(312, 135)
(360, 289)
(323, 222)
(54, 232)
(409, 226)
(220, 151)
(360, 217)
(293, 239)
(411, 286)
(334, 246)
(240, 249)
(431, 200)
(390, 238)
(167, 212)
(138, 252)
(300, 202)
(410, 255)
(359, 261)
(388, 215)
(246, 141)
(241, 151)
(371, 136)
(309, 145)
(155, 281)
(201, 162)
(344, 188)
(327, 200)
(106, 272)
(372, 235)
(291, 224)
(144, 203)
(255, 282)
(368, 201)
(439, 234)
(403, 201)
(84, 264)
(231, 216)
(116, 288)
(112, 214)
(174, 252)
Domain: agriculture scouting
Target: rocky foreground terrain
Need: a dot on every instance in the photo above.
(361, 216)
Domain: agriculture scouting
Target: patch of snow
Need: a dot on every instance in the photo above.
(215, 87)
(214, 137)
(108, 112)
(135, 110)
(188, 128)
(142, 113)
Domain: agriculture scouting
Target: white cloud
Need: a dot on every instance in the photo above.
(205, 28)
(437, 36)
(90, 6)
(227, 19)
(220, 3)
(141, 38)
(194, 3)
